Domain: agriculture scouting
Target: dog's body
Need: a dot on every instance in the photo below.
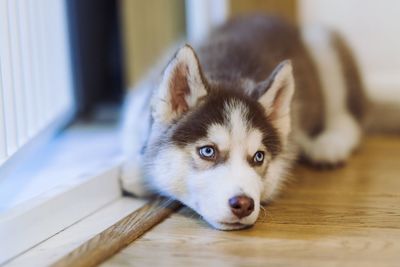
(227, 122)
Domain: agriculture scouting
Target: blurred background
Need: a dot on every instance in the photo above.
(372, 29)
(66, 59)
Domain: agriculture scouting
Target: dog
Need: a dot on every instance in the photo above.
(221, 126)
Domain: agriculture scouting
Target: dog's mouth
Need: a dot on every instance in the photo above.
(238, 224)
(232, 225)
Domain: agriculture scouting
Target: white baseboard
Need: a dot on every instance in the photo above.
(42, 217)
(51, 250)
(71, 177)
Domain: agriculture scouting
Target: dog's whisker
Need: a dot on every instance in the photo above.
(264, 212)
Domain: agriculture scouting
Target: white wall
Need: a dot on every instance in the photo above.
(373, 30)
(202, 16)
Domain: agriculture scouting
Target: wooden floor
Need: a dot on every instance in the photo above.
(346, 217)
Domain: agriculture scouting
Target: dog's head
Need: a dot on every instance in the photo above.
(217, 150)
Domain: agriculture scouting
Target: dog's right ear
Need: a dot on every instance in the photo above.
(182, 85)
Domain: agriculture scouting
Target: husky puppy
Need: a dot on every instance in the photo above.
(228, 118)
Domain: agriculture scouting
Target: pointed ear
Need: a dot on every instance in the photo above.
(275, 95)
(182, 85)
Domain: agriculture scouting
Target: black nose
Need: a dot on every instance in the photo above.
(241, 206)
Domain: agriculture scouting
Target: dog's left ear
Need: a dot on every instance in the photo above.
(182, 85)
(275, 95)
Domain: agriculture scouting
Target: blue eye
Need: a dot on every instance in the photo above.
(207, 152)
(258, 157)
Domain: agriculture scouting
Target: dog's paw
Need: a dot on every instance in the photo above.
(329, 149)
(333, 147)
(132, 180)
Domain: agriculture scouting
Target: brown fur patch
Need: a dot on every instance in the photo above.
(195, 125)
(179, 89)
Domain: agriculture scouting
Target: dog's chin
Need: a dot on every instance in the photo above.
(228, 226)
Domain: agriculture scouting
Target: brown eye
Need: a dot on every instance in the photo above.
(207, 152)
(258, 157)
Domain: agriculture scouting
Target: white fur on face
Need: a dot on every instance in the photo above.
(276, 175)
(234, 177)
(254, 142)
(219, 134)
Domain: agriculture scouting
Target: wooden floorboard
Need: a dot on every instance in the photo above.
(108, 242)
(346, 217)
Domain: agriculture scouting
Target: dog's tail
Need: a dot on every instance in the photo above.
(376, 115)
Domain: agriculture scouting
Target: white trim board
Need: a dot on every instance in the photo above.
(71, 177)
(23, 227)
(66, 241)
(80, 151)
